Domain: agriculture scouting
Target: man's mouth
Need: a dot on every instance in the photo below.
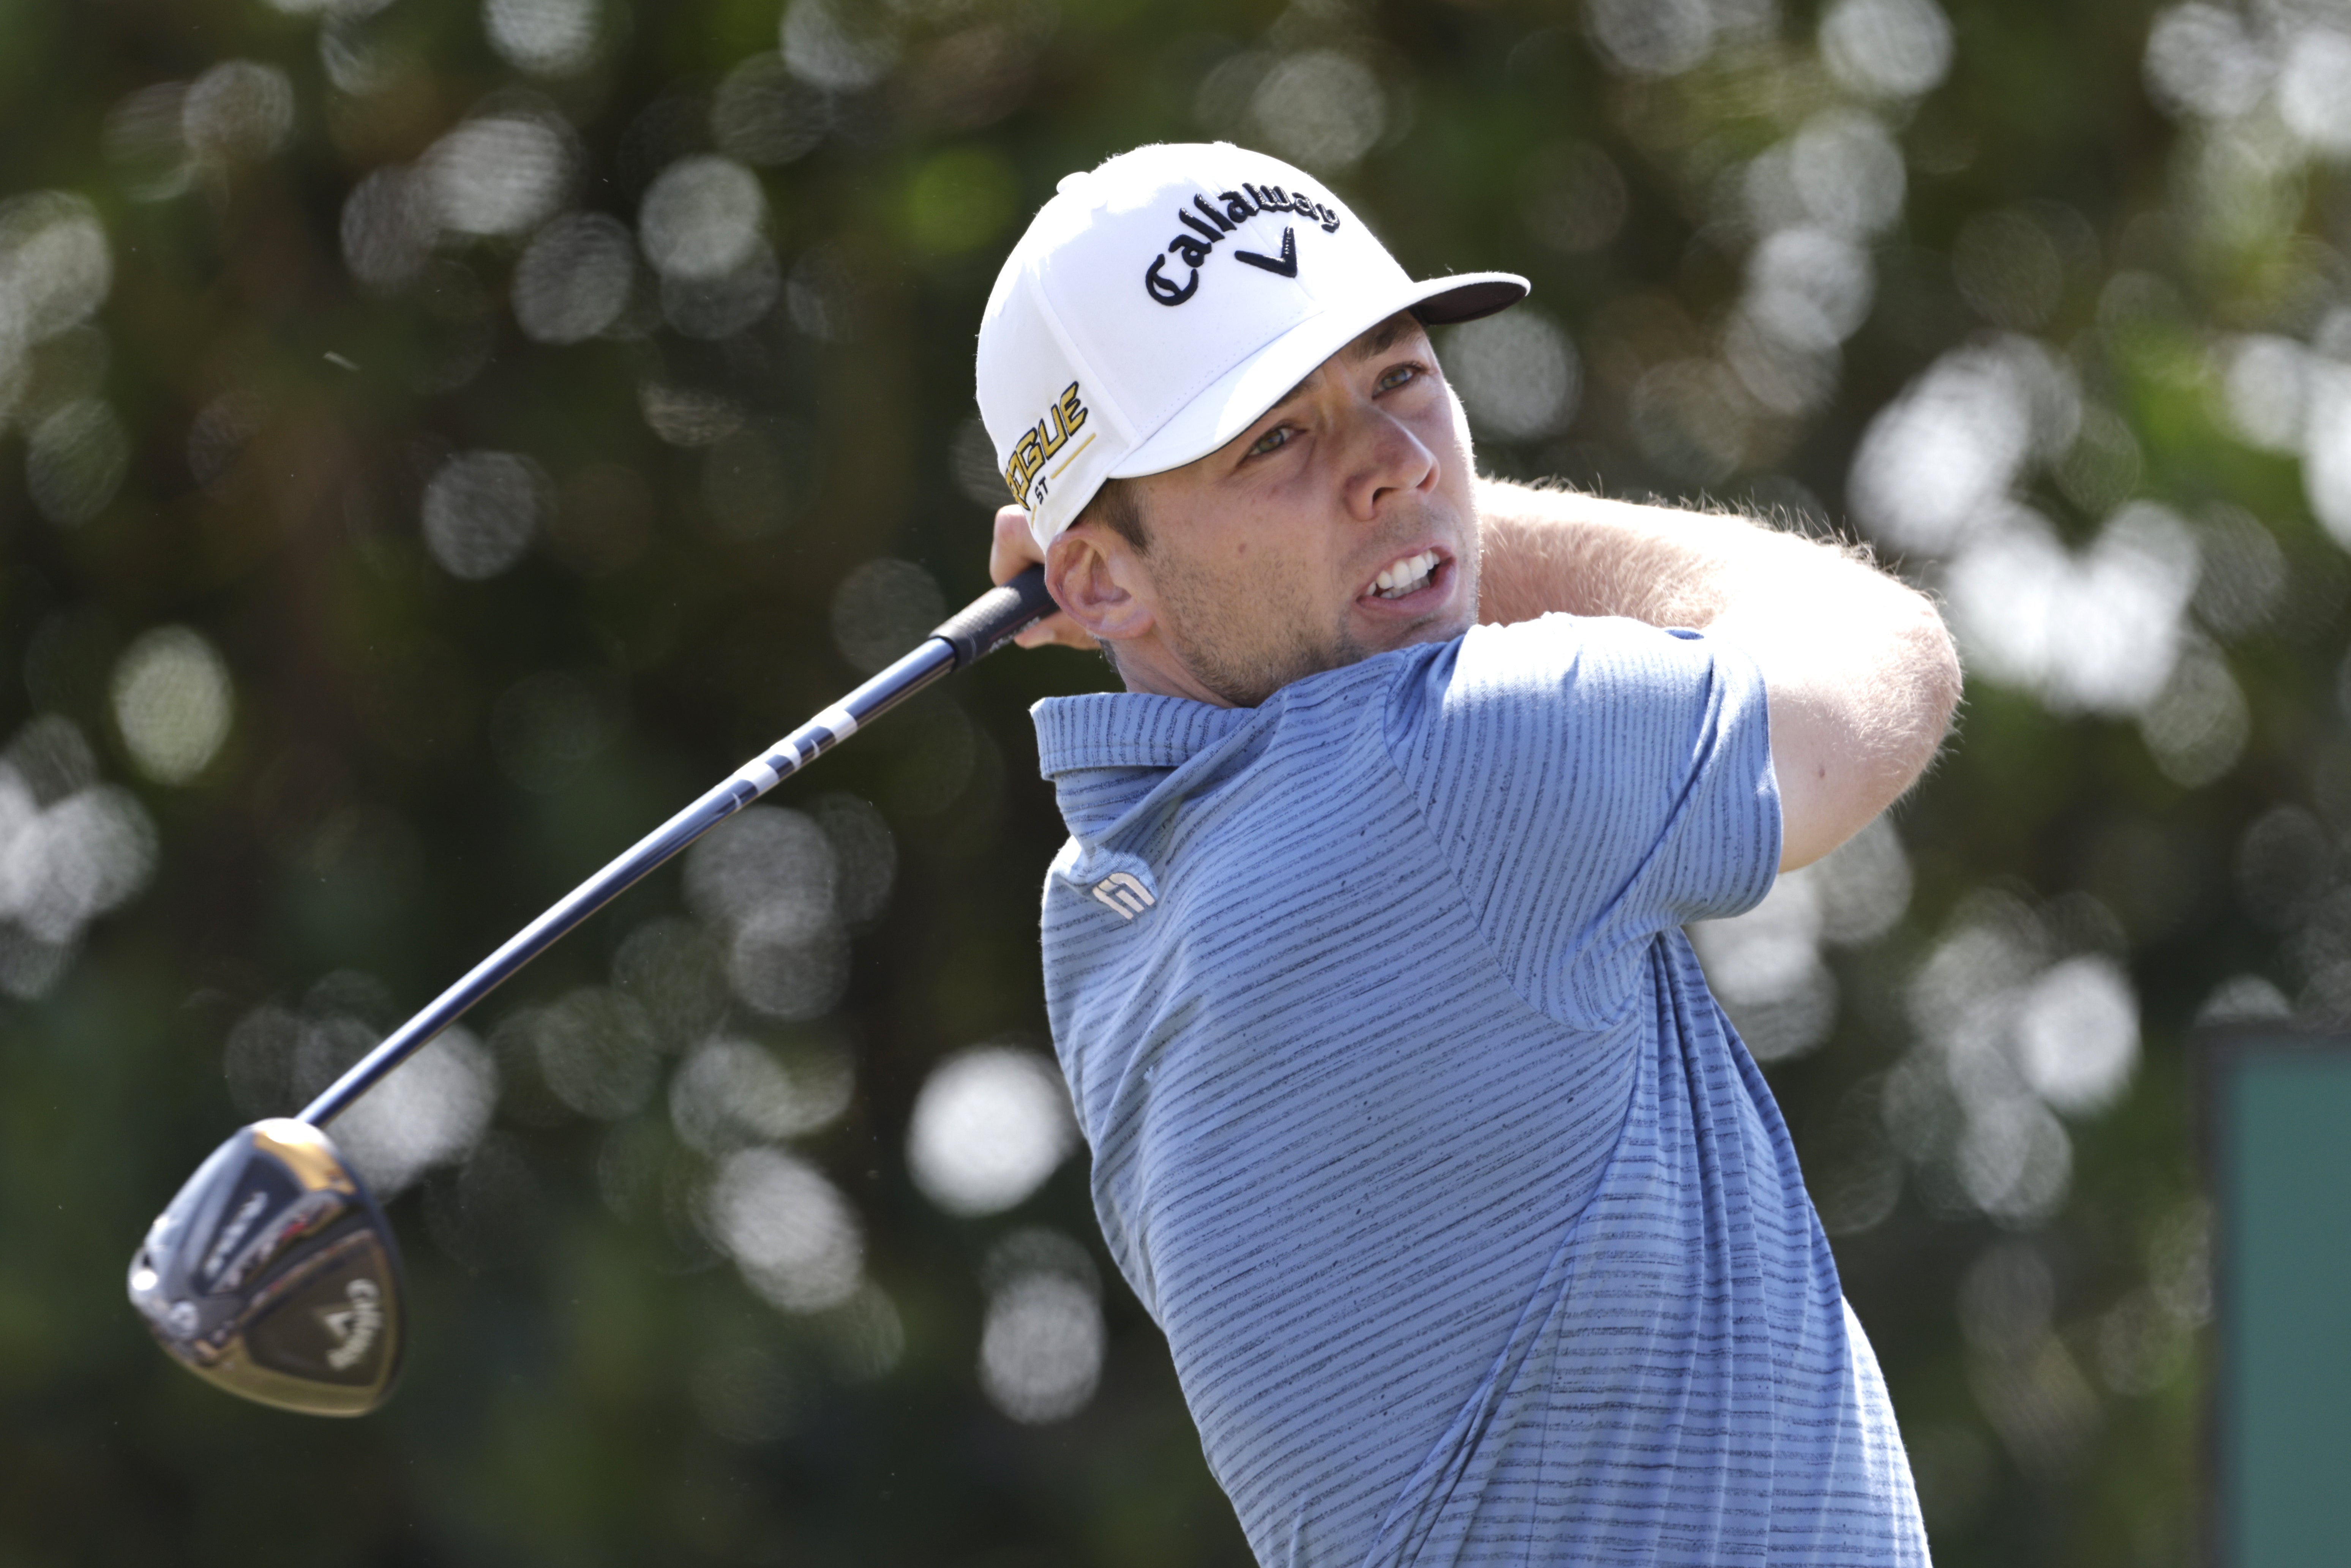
(1407, 576)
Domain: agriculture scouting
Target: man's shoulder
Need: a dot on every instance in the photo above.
(1387, 697)
(1558, 658)
(1559, 636)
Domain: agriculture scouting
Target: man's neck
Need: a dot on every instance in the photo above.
(1151, 668)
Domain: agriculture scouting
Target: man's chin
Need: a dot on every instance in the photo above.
(1249, 680)
(1356, 643)
(1376, 633)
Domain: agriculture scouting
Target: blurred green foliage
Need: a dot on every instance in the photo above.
(499, 539)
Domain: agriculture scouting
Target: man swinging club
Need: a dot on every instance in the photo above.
(1474, 1231)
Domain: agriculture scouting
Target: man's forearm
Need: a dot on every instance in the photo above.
(1861, 674)
(1545, 550)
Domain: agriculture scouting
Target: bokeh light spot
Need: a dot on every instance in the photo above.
(2202, 61)
(2078, 1033)
(56, 265)
(1847, 173)
(732, 1091)
(431, 1110)
(765, 862)
(1651, 38)
(595, 1049)
(481, 510)
(971, 459)
(882, 609)
(2310, 96)
(713, 308)
(75, 462)
(239, 111)
(1808, 288)
(1517, 373)
(172, 702)
(145, 138)
(2244, 577)
(1692, 419)
(990, 1126)
(544, 38)
(2197, 727)
(839, 44)
(1765, 966)
(1886, 48)
(572, 281)
(1040, 1346)
(702, 217)
(1320, 108)
(671, 967)
(792, 1235)
(767, 877)
(388, 228)
(764, 114)
(500, 174)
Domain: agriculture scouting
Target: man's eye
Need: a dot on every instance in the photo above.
(1397, 375)
(1276, 438)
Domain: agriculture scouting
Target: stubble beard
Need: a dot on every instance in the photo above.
(1245, 654)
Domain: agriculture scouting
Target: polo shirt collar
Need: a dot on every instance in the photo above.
(1128, 729)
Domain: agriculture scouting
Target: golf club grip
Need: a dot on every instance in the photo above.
(980, 627)
(971, 635)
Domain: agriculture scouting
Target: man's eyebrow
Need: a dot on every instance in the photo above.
(1382, 338)
(1286, 398)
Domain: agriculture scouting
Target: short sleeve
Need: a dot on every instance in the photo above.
(1592, 782)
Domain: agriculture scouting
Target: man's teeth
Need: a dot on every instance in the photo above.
(1407, 576)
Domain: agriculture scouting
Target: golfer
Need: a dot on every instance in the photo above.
(1473, 1228)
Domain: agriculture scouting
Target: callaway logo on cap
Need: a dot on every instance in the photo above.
(1160, 303)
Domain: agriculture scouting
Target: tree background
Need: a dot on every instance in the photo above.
(437, 438)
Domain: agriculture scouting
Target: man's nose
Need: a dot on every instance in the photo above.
(1386, 459)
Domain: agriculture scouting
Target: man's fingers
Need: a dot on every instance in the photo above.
(1014, 548)
(1056, 628)
(1013, 551)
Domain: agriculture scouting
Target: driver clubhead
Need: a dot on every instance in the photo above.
(273, 1274)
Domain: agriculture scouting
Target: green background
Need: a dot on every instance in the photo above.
(240, 436)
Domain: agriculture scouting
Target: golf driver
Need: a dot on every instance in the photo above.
(273, 1273)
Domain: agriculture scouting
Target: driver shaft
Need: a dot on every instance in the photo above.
(975, 632)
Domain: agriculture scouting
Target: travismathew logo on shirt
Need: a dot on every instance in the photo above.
(1213, 227)
(1126, 894)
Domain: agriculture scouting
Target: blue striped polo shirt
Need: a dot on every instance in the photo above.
(1474, 1232)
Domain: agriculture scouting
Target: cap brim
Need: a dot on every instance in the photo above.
(1232, 402)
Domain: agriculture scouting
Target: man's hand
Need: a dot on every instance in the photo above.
(1014, 551)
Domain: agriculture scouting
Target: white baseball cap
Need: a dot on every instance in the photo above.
(1161, 302)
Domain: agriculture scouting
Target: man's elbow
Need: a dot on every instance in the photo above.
(1846, 761)
(1929, 682)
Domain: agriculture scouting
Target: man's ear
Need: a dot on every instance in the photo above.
(1096, 576)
